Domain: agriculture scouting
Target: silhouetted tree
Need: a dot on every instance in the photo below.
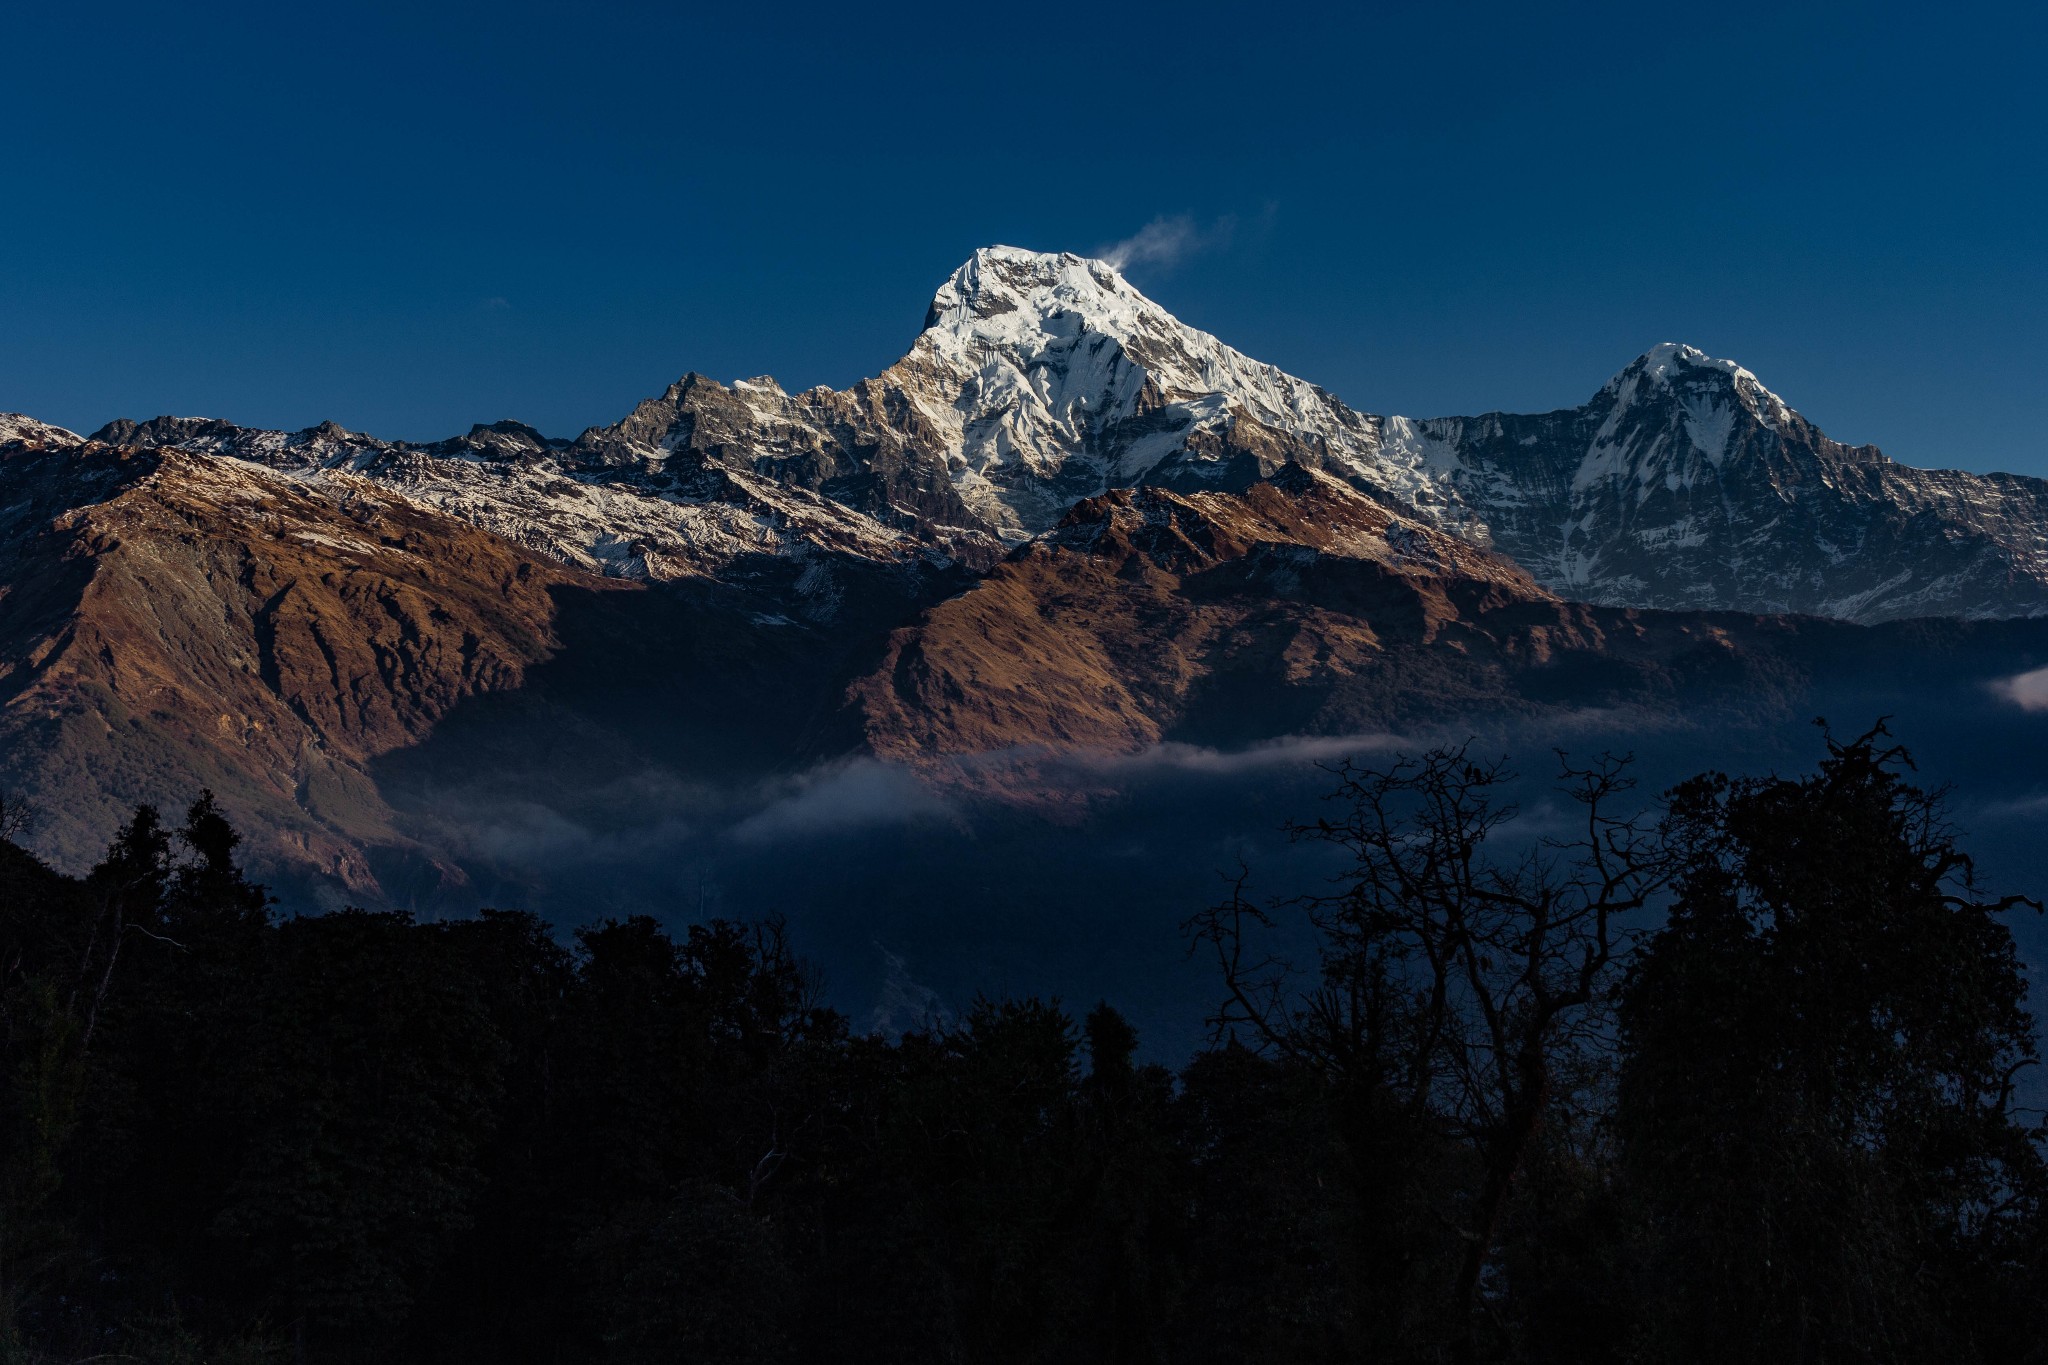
(1452, 977)
(1817, 1099)
(698, 1277)
(350, 1137)
(370, 1090)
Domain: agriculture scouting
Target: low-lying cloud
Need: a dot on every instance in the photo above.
(526, 831)
(2016, 808)
(1586, 733)
(1291, 751)
(2028, 691)
(841, 798)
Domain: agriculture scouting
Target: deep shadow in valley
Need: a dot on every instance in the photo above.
(685, 758)
(656, 706)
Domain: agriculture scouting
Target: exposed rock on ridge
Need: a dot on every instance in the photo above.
(1686, 484)
(593, 504)
(1063, 521)
(1041, 379)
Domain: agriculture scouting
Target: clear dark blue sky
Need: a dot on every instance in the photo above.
(408, 217)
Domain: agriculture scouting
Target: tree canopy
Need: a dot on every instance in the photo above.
(1733, 1077)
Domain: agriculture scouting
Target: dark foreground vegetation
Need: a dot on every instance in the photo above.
(1498, 1120)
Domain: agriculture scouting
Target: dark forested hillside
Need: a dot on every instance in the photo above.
(1730, 1077)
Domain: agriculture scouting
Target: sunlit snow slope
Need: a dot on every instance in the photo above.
(1042, 379)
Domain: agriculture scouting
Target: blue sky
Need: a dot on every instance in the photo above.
(410, 217)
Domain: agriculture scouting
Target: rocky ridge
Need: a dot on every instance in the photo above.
(1295, 606)
(635, 516)
(1040, 380)
(1684, 483)
(276, 631)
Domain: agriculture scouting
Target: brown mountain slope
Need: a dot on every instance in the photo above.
(1299, 606)
(173, 620)
(357, 676)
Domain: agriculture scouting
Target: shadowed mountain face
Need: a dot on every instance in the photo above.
(1686, 484)
(1065, 531)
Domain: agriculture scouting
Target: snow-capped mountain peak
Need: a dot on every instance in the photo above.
(1672, 369)
(1004, 279)
(1671, 418)
(1034, 304)
(1042, 379)
(1045, 378)
(1049, 377)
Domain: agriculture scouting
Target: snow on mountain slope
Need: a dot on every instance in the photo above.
(1050, 375)
(15, 427)
(1686, 484)
(657, 523)
(1040, 380)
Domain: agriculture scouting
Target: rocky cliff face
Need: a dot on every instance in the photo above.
(278, 623)
(332, 657)
(1686, 484)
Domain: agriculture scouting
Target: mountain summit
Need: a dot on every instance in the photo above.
(1685, 483)
(1051, 378)
(1044, 379)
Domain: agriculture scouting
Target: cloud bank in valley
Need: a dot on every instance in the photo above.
(841, 798)
(2028, 691)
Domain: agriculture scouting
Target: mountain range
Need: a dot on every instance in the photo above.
(1064, 521)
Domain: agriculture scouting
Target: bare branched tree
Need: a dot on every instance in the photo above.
(18, 817)
(1453, 979)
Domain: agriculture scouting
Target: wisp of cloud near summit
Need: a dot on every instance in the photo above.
(1167, 241)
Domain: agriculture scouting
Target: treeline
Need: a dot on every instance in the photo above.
(1497, 1120)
